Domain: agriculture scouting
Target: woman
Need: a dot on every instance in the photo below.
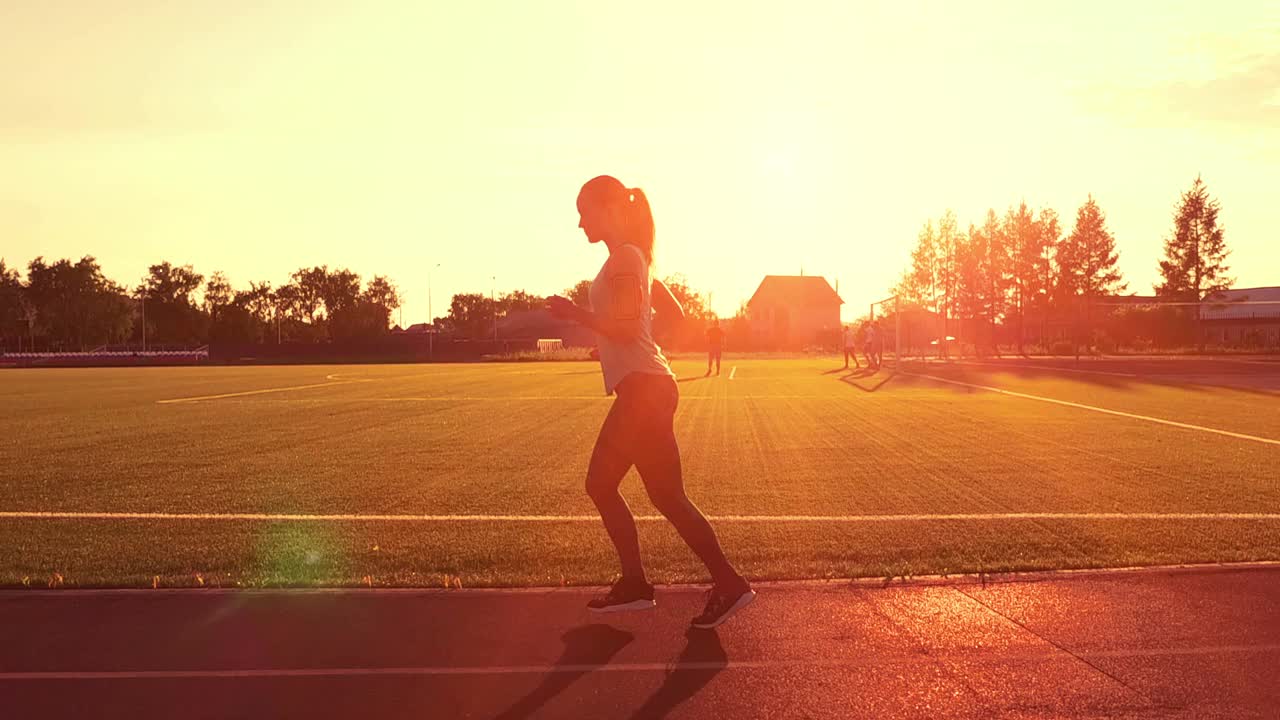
(638, 429)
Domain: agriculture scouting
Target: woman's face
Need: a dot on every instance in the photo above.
(597, 220)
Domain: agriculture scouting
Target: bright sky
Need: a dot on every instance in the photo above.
(258, 136)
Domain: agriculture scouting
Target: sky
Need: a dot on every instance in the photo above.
(390, 137)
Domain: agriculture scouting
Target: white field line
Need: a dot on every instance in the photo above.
(1273, 363)
(733, 371)
(1045, 367)
(199, 398)
(359, 517)
(1105, 411)
(665, 667)
(515, 398)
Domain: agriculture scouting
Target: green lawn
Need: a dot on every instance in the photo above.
(784, 437)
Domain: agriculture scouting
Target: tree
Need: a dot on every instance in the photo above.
(1050, 235)
(1196, 253)
(580, 294)
(218, 294)
(369, 316)
(519, 301)
(340, 289)
(381, 291)
(1023, 258)
(972, 286)
(471, 315)
(1088, 260)
(13, 315)
(73, 306)
(1194, 266)
(308, 291)
(922, 279)
(947, 242)
(170, 308)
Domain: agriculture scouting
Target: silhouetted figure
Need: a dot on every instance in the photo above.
(868, 338)
(877, 343)
(715, 344)
(848, 342)
(638, 429)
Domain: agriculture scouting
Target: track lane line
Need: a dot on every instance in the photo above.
(357, 517)
(439, 670)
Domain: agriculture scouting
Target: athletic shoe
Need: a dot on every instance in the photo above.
(720, 605)
(624, 595)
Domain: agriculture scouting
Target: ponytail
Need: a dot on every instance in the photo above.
(640, 231)
(637, 218)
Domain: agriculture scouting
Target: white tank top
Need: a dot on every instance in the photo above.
(640, 353)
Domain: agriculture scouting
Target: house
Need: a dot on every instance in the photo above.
(539, 324)
(1242, 320)
(794, 311)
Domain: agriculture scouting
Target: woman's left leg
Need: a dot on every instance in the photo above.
(658, 463)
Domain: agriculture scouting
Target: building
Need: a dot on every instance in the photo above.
(539, 325)
(793, 312)
(1236, 323)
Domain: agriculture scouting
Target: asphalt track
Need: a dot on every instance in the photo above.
(1198, 643)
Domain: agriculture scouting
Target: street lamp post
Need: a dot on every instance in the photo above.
(142, 296)
(431, 317)
(493, 287)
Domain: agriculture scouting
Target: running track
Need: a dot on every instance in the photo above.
(1178, 643)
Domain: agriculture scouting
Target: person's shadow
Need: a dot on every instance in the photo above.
(703, 657)
(586, 648)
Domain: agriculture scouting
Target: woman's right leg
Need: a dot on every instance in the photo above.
(609, 465)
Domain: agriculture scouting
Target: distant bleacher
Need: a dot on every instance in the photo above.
(105, 357)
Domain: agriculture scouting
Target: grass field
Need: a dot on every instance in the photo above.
(800, 461)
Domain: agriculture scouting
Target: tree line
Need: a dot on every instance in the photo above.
(73, 306)
(473, 315)
(1012, 274)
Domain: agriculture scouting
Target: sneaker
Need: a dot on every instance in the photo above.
(624, 595)
(721, 604)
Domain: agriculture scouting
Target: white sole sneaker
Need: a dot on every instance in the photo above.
(742, 602)
(624, 607)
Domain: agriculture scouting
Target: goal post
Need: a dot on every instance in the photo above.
(888, 314)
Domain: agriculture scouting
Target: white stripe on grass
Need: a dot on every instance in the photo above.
(264, 391)
(1105, 411)
(371, 517)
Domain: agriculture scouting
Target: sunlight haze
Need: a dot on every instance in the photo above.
(259, 137)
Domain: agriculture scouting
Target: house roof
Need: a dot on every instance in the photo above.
(795, 290)
(1235, 305)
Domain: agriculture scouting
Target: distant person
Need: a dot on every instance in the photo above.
(868, 342)
(848, 341)
(638, 429)
(715, 345)
(877, 343)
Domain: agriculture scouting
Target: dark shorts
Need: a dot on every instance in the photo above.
(638, 429)
(714, 353)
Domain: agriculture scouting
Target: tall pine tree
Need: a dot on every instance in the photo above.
(1194, 264)
(1196, 253)
(1087, 259)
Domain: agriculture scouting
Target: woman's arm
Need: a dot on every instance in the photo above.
(608, 324)
(621, 319)
(664, 303)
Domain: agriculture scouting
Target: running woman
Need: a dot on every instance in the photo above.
(638, 429)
